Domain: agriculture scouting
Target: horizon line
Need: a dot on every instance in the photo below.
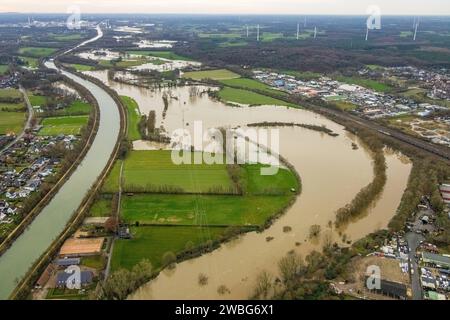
(238, 15)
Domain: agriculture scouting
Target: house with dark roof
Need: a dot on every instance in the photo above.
(86, 278)
(392, 289)
(68, 262)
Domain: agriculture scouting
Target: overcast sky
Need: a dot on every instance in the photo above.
(400, 7)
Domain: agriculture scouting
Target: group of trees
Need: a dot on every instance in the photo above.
(148, 130)
(307, 278)
(424, 180)
(121, 283)
(369, 193)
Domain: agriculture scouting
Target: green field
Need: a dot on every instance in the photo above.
(233, 43)
(94, 262)
(36, 52)
(185, 209)
(153, 242)
(406, 34)
(111, 184)
(160, 54)
(278, 184)
(219, 74)
(124, 63)
(101, 208)
(68, 37)
(81, 67)
(231, 35)
(271, 36)
(76, 108)
(3, 69)
(30, 62)
(152, 170)
(303, 75)
(345, 105)
(5, 106)
(251, 84)
(11, 122)
(63, 125)
(36, 100)
(367, 83)
(10, 94)
(248, 97)
(133, 118)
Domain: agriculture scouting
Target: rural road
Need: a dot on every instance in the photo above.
(27, 124)
(413, 240)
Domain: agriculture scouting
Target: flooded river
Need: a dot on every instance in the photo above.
(332, 172)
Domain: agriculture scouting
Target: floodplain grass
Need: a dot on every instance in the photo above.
(134, 116)
(37, 52)
(155, 169)
(70, 125)
(283, 182)
(246, 97)
(218, 74)
(159, 54)
(218, 210)
(81, 67)
(251, 84)
(11, 122)
(152, 242)
(125, 63)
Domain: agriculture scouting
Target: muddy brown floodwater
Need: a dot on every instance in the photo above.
(332, 172)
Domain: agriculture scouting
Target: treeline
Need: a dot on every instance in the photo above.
(322, 128)
(121, 283)
(424, 180)
(370, 192)
(171, 189)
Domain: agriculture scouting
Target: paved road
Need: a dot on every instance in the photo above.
(413, 240)
(441, 152)
(27, 124)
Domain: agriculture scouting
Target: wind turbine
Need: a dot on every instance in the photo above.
(298, 30)
(367, 34)
(315, 32)
(415, 30)
(257, 33)
(247, 30)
